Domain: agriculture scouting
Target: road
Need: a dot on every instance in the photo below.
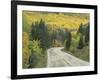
(58, 58)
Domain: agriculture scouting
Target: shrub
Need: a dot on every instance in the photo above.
(36, 53)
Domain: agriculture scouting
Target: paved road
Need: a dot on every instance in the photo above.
(58, 58)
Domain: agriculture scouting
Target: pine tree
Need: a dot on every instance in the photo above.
(81, 43)
(87, 34)
(40, 32)
(44, 35)
(68, 42)
(32, 35)
(80, 30)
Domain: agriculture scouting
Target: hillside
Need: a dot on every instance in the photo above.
(45, 30)
(55, 20)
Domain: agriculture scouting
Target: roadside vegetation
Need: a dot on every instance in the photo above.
(77, 44)
(42, 31)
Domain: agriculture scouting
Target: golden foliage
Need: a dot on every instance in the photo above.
(26, 50)
(57, 20)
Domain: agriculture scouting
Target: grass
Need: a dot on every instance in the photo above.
(42, 61)
(80, 53)
(56, 21)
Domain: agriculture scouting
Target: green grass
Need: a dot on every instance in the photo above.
(41, 63)
(54, 21)
(80, 53)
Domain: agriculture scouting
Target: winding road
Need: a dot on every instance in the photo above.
(58, 58)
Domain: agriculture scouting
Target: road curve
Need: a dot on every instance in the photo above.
(58, 58)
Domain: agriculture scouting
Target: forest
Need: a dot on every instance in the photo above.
(41, 32)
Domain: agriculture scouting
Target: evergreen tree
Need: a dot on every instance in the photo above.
(81, 43)
(87, 34)
(44, 35)
(62, 34)
(68, 42)
(40, 32)
(53, 37)
(32, 35)
(80, 30)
